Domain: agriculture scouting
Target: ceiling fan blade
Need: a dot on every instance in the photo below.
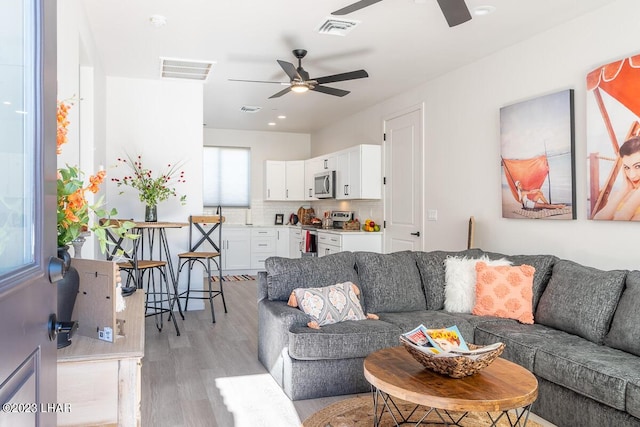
(331, 90)
(290, 69)
(455, 12)
(258, 81)
(355, 6)
(360, 74)
(282, 92)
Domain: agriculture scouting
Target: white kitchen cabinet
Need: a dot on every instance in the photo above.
(283, 241)
(294, 189)
(295, 242)
(359, 173)
(330, 242)
(263, 246)
(275, 179)
(236, 248)
(311, 168)
(284, 180)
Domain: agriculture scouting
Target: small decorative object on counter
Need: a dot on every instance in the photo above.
(279, 219)
(352, 224)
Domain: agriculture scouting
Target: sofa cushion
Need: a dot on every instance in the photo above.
(341, 340)
(285, 274)
(598, 372)
(431, 319)
(580, 300)
(432, 271)
(330, 304)
(389, 282)
(633, 397)
(521, 340)
(460, 277)
(625, 326)
(504, 291)
(543, 265)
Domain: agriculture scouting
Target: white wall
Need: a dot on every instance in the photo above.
(76, 52)
(264, 146)
(462, 137)
(162, 122)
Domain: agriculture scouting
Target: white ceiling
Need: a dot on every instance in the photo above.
(400, 43)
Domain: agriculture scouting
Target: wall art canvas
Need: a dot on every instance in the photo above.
(537, 158)
(613, 141)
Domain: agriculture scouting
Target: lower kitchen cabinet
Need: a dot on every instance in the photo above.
(236, 248)
(330, 242)
(263, 246)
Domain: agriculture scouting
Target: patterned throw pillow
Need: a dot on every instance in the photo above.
(330, 304)
(505, 292)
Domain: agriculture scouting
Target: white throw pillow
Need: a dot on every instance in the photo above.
(460, 282)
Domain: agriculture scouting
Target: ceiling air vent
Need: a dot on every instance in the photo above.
(174, 68)
(337, 27)
(250, 109)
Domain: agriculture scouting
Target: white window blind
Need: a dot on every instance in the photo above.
(226, 175)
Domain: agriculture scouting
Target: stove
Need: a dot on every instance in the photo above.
(340, 217)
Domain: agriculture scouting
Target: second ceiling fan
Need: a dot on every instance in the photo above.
(455, 12)
(300, 81)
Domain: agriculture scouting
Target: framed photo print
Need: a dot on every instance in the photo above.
(537, 158)
(613, 141)
(279, 219)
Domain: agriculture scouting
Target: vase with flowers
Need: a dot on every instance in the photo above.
(74, 215)
(151, 189)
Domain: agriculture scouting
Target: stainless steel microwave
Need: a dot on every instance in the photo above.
(324, 185)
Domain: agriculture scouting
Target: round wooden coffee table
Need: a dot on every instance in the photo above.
(502, 386)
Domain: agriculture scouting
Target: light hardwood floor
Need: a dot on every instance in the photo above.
(180, 374)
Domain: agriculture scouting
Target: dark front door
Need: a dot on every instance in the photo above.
(27, 211)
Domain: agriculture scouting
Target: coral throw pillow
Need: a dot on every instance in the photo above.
(330, 304)
(505, 292)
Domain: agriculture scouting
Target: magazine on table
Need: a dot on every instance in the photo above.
(443, 342)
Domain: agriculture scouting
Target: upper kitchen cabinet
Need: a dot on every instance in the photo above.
(359, 172)
(284, 180)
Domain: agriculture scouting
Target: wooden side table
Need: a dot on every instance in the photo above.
(100, 380)
(500, 387)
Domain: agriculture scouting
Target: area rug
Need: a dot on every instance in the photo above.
(236, 278)
(358, 412)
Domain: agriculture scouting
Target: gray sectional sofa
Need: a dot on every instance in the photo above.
(584, 347)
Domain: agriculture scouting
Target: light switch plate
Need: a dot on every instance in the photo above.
(432, 215)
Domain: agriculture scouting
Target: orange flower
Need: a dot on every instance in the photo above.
(76, 200)
(95, 181)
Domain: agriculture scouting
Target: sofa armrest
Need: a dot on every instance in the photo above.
(275, 318)
(263, 292)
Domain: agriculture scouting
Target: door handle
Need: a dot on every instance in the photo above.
(417, 234)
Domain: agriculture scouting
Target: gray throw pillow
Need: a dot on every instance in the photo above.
(580, 300)
(286, 274)
(389, 282)
(625, 326)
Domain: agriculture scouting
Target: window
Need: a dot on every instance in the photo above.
(226, 175)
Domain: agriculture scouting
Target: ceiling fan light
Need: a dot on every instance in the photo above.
(299, 88)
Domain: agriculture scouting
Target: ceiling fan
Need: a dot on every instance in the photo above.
(454, 11)
(300, 81)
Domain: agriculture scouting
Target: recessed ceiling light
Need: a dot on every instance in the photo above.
(282, 117)
(271, 123)
(158, 20)
(483, 10)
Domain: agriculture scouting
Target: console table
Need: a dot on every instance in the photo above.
(101, 380)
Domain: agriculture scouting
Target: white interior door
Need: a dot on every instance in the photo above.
(403, 190)
(27, 211)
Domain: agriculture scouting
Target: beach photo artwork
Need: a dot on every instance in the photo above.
(613, 141)
(537, 158)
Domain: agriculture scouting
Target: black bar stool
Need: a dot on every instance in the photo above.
(211, 257)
